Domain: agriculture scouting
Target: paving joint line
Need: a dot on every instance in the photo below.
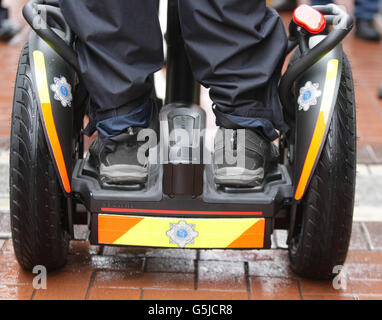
(196, 271)
(91, 281)
(144, 265)
(372, 155)
(299, 288)
(2, 246)
(247, 280)
(367, 236)
(33, 294)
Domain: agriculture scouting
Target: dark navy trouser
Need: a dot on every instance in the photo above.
(235, 48)
(364, 9)
(3, 14)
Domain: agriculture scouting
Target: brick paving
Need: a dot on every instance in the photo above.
(98, 272)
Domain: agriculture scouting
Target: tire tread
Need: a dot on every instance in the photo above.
(326, 211)
(37, 203)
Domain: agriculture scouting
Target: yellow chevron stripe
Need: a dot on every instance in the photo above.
(212, 233)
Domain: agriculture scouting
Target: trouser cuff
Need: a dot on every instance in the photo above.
(229, 121)
(116, 121)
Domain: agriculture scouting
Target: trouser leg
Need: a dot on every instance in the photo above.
(320, 2)
(119, 46)
(366, 9)
(236, 48)
(3, 13)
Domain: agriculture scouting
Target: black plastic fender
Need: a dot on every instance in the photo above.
(54, 81)
(316, 93)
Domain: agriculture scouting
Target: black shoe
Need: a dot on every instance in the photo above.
(366, 30)
(8, 30)
(257, 155)
(284, 5)
(121, 166)
(120, 160)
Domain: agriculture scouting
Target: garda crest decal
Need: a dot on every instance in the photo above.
(182, 233)
(309, 95)
(62, 91)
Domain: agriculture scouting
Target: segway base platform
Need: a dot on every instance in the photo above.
(219, 218)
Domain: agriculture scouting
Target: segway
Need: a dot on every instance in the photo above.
(310, 192)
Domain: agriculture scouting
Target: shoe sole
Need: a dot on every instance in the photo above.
(123, 174)
(236, 176)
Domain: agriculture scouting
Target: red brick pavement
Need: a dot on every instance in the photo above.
(97, 272)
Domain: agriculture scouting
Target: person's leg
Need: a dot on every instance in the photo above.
(365, 10)
(236, 48)
(119, 47)
(8, 29)
(320, 2)
(284, 5)
(3, 14)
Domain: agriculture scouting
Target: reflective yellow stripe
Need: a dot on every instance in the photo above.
(43, 92)
(41, 77)
(329, 89)
(212, 233)
(319, 131)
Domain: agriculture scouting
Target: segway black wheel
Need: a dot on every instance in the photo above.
(324, 217)
(38, 207)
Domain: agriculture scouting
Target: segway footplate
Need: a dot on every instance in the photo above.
(180, 206)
